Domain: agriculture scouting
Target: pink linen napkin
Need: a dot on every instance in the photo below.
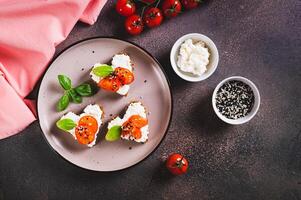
(29, 32)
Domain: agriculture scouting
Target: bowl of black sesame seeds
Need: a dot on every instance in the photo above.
(236, 100)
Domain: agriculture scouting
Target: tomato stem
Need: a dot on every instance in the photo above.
(181, 159)
(157, 4)
(147, 5)
(179, 164)
(143, 2)
(143, 9)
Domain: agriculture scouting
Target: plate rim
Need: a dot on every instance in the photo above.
(123, 40)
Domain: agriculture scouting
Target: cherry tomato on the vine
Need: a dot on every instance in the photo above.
(153, 17)
(171, 8)
(134, 25)
(125, 7)
(177, 164)
(190, 4)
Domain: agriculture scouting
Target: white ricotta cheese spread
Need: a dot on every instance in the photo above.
(193, 57)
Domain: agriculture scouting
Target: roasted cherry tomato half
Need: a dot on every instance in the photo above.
(153, 17)
(110, 83)
(138, 121)
(133, 125)
(171, 8)
(125, 76)
(134, 25)
(86, 129)
(177, 164)
(190, 4)
(125, 7)
(89, 121)
(132, 131)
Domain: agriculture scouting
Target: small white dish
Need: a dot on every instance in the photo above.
(255, 106)
(213, 59)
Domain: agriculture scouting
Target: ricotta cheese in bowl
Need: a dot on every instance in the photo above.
(193, 57)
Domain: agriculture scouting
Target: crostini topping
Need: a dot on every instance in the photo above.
(86, 129)
(120, 76)
(65, 124)
(114, 133)
(132, 126)
(110, 83)
(125, 76)
(103, 70)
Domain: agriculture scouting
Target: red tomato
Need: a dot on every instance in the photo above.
(133, 25)
(125, 7)
(133, 126)
(86, 129)
(125, 76)
(153, 17)
(190, 4)
(171, 8)
(133, 131)
(177, 164)
(89, 121)
(138, 121)
(110, 83)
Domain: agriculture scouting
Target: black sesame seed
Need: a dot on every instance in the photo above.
(235, 99)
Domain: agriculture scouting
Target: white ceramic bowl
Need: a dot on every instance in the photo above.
(213, 59)
(255, 106)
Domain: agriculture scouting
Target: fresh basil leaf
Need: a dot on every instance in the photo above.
(113, 134)
(64, 81)
(103, 70)
(84, 90)
(65, 124)
(63, 102)
(74, 96)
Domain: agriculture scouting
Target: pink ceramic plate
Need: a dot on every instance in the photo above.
(150, 86)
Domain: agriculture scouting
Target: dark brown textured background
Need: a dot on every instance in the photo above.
(258, 39)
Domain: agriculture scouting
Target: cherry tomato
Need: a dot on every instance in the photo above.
(171, 8)
(133, 126)
(125, 7)
(133, 131)
(89, 121)
(110, 83)
(138, 121)
(86, 129)
(153, 17)
(190, 4)
(125, 76)
(134, 25)
(177, 164)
